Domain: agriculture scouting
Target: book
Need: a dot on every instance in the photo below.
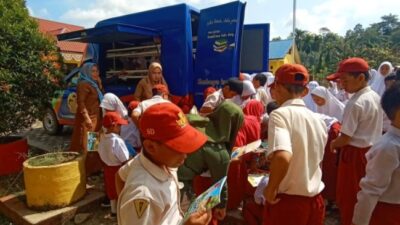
(251, 147)
(255, 178)
(207, 200)
(93, 139)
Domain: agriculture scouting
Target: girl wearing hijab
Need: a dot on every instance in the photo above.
(327, 103)
(378, 83)
(88, 114)
(329, 163)
(238, 187)
(308, 99)
(251, 128)
(111, 102)
(145, 85)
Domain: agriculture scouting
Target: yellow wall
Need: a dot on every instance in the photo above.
(274, 64)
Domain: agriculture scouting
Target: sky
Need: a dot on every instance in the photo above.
(311, 15)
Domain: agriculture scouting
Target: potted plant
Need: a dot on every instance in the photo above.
(63, 175)
(27, 80)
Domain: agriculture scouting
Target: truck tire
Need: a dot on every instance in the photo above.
(50, 123)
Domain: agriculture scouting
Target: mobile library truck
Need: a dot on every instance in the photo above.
(197, 49)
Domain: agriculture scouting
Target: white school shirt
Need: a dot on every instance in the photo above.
(362, 118)
(382, 179)
(112, 150)
(214, 100)
(130, 133)
(150, 195)
(149, 102)
(296, 129)
(263, 96)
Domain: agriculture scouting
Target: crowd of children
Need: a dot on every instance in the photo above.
(325, 149)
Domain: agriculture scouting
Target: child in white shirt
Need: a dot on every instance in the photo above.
(114, 153)
(379, 197)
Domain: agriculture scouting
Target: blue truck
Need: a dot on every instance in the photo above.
(197, 49)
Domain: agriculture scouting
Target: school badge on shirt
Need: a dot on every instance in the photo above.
(140, 206)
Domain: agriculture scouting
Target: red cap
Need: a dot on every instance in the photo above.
(166, 123)
(351, 65)
(161, 88)
(333, 77)
(208, 91)
(133, 104)
(291, 74)
(112, 118)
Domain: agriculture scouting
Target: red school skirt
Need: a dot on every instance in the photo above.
(109, 181)
(330, 165)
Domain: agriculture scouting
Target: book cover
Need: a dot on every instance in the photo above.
(207, 200)
(92, 141)
(251, 147)
(255, 178)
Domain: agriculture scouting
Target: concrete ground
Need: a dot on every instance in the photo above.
(38, 138)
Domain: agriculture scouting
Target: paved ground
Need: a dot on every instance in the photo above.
(39, 139)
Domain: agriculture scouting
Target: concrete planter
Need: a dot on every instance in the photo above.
(54, 186)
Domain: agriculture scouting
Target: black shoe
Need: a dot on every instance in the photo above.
(106, 203)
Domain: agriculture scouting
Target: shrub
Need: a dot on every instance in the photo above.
(27, 69)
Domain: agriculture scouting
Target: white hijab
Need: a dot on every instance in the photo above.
(333, 107)
(308, 99)
(113, 103)
(248, 88)
(373, 74)
(378, 83)
(329, 121)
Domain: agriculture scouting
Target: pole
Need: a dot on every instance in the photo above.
(294, 30)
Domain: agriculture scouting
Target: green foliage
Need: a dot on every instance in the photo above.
(322, 52)
(25, 88)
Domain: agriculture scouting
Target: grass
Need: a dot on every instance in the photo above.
(52, 159)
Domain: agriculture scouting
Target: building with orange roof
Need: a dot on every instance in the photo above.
(72, 52)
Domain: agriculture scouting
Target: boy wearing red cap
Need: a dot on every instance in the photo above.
(151, 192)
(361, 127)
(113, 152)
(231, 88)
(296, 142)
(379, 198)
(160, 94)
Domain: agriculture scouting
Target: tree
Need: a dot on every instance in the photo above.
(26, 74)
(322, 52)
(276, 39)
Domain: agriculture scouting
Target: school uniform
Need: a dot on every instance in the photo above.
(362, 121)
(113, 153)
(150, 195)
(330, 161)
(263, 96)
(295, 129)
(333, 107)
(214, 100)
(130, 133)
(141, 108)
(379, 197)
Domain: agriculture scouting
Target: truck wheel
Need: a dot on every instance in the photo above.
(50, 123)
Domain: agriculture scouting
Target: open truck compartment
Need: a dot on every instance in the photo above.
(196, 48)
